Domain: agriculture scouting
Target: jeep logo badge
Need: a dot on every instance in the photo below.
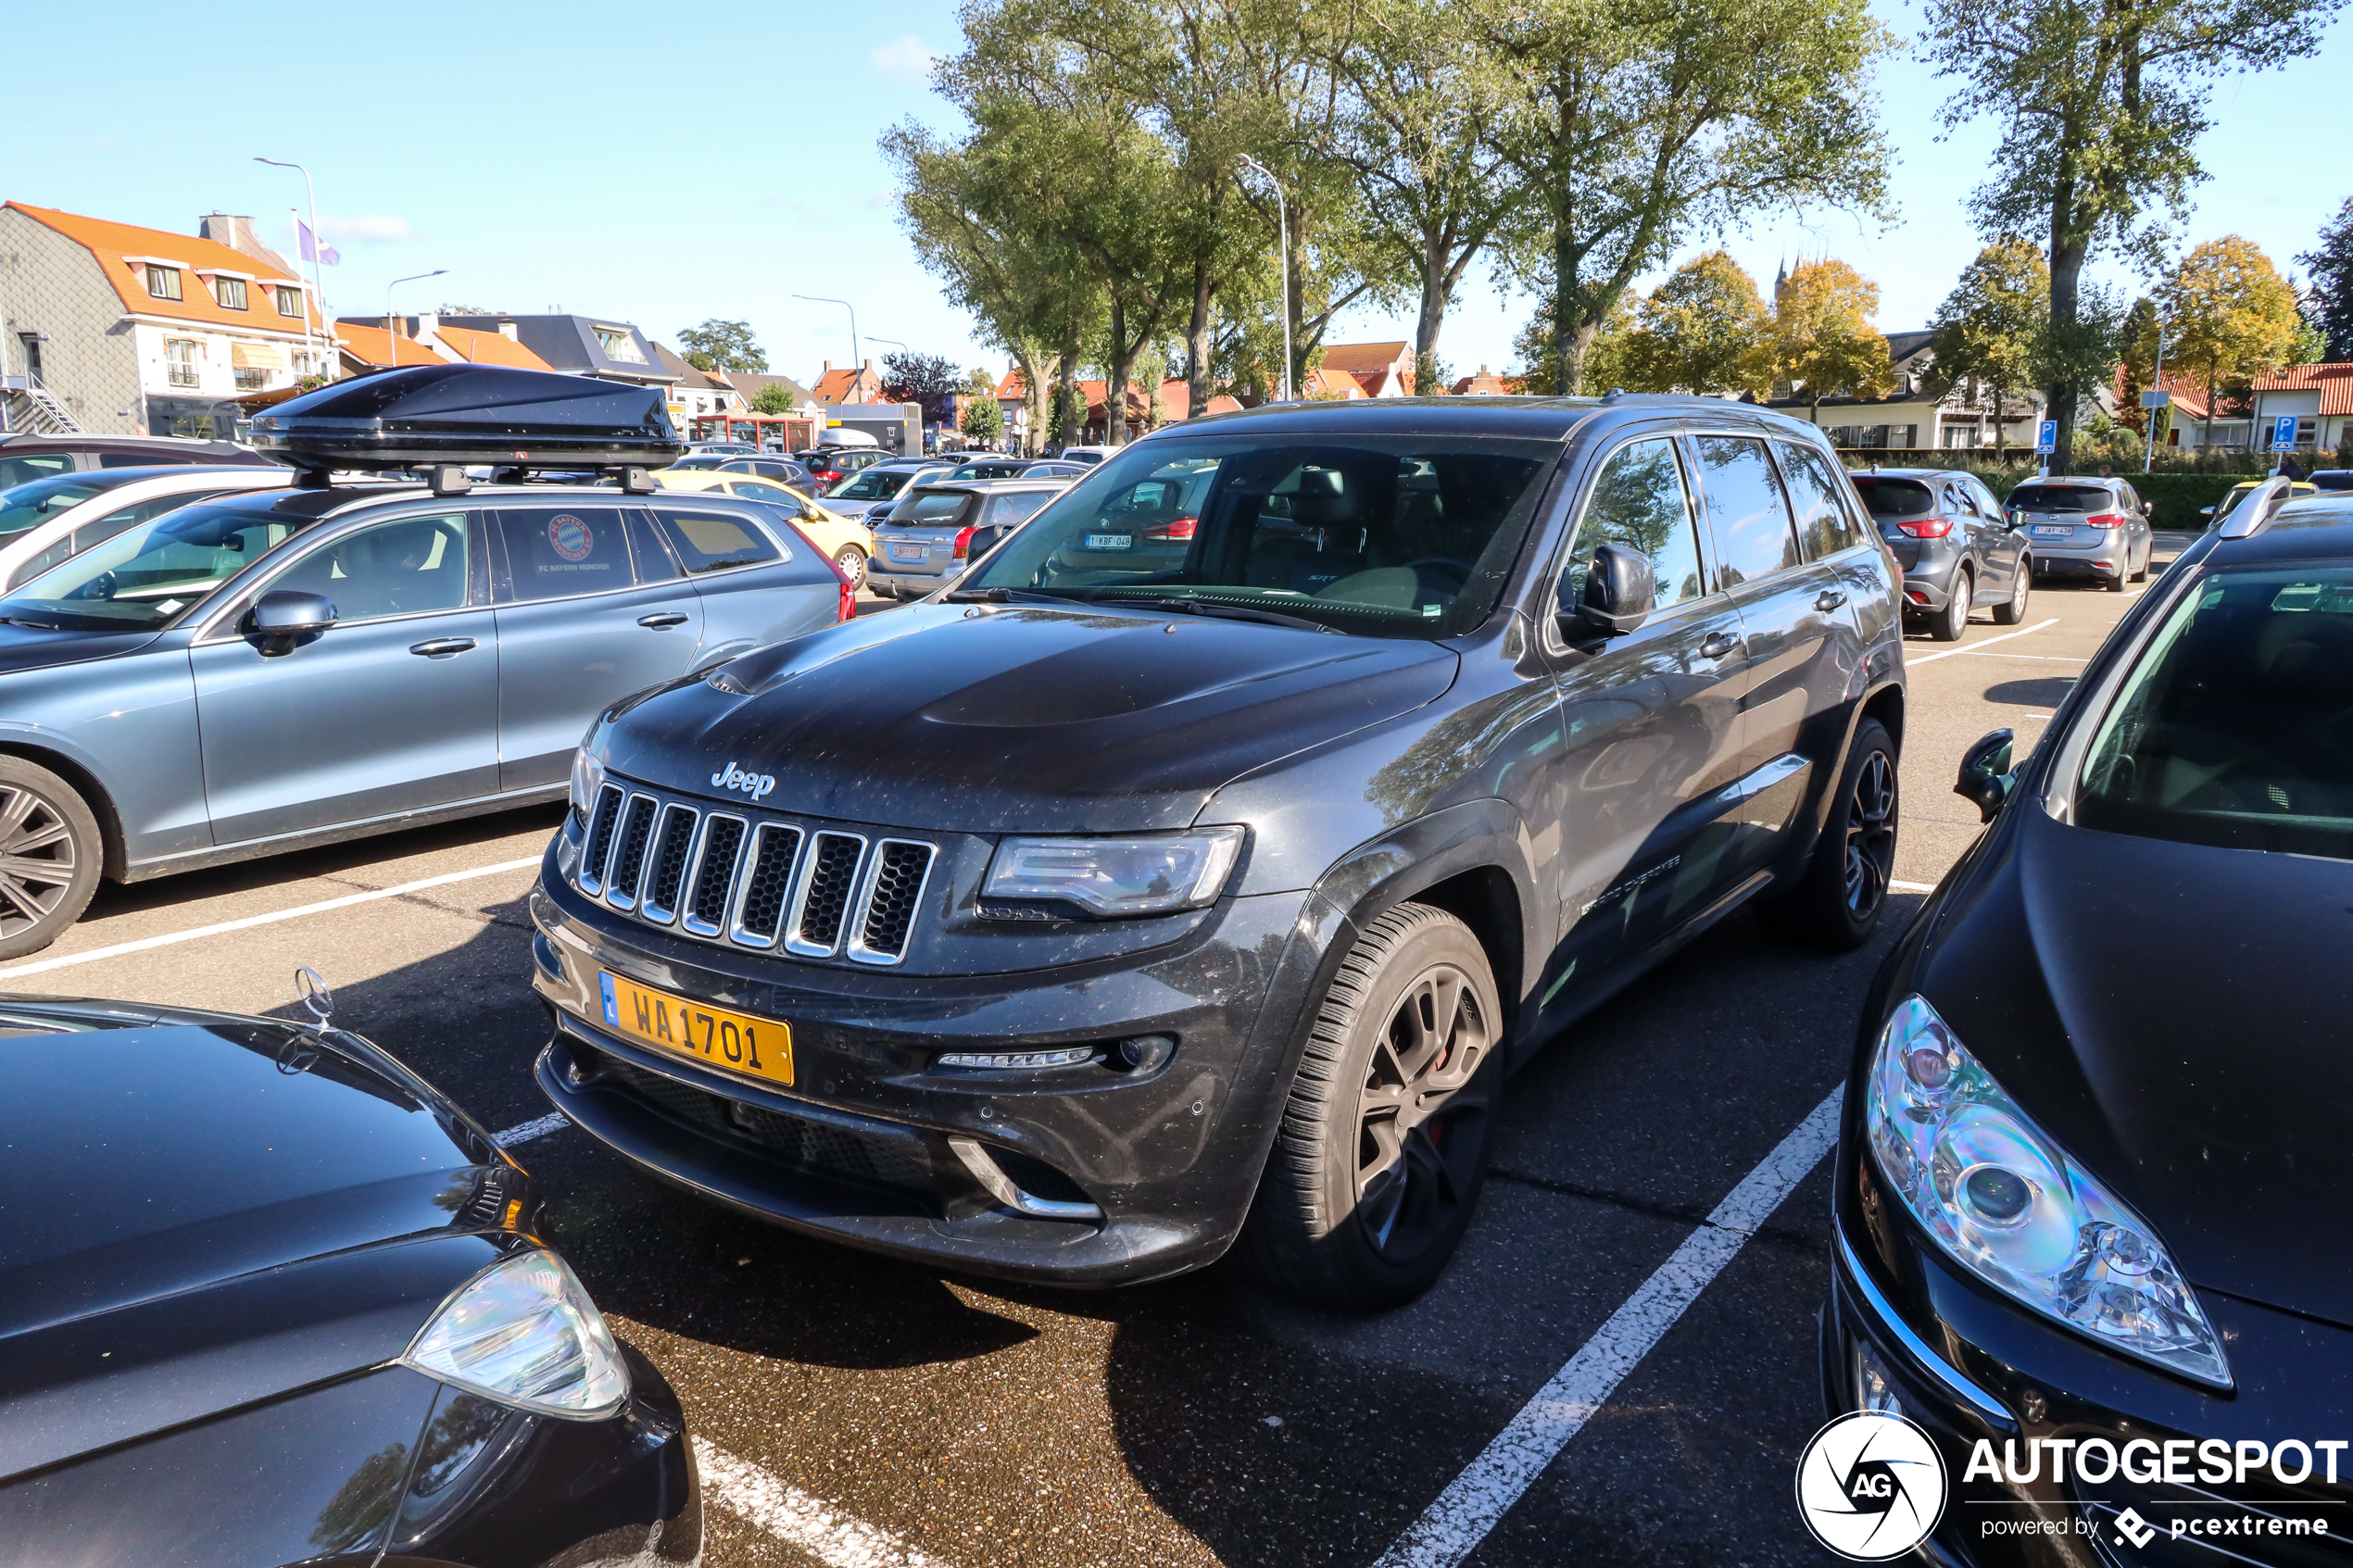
(757, 785)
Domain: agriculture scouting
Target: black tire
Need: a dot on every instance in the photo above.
(2011, 613)
(44, 825)
(1836, 906)
(1353, 1213)
(852, 562)
(1947, 624)
(2116, 583)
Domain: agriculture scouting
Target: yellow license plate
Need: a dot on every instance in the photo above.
(712, 1035)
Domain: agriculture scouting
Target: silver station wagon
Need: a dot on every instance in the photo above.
(256, 673)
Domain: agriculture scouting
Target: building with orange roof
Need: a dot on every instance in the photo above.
(847, 384)
(1379, 370)
(1486, 383)
(426, 339)
(114, 327)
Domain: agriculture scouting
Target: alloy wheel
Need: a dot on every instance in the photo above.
(1416, 1151)
(1870, 833)
(37, 859)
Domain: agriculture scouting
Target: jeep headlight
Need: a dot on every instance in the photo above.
(587, 778)
(2011, 1206)
(523, 1332)
(1150, 874)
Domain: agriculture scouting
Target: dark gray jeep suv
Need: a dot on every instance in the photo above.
(1199, 866)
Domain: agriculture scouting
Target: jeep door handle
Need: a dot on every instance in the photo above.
(1715, 645)
(662, 622)
(1829, 599)
(439, 647)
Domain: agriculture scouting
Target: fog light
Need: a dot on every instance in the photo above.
(1068, 1056)
(1873, 1390)
(1146, 1052)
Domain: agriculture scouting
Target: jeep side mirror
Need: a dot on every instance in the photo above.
(1986, 774)
(1617, 596)
(285, 616)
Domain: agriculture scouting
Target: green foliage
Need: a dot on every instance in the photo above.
(1988, 334)
(1702, 331)
(721, 345)
(1821, 339)
(983, 422)
(774, 398)
(2330, 303)
(2229, 317)
(2178, 496)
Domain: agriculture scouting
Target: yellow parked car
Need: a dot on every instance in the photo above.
(848, 542)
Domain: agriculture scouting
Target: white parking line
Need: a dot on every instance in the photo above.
(1910, 663)
(793, 1516)
(147, 943)
(1452, 1527)
(1911, 887)
(522, 1132)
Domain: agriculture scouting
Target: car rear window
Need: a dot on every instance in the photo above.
(933, 508)
(24, 471)
(2062, 498)
(714, 542)
(2235, 726)
(874, 485)
(1891, 498)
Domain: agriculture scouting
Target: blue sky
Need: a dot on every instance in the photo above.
(663, 165)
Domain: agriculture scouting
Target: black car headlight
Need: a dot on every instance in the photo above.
(1151, 874)
(2007, 1203)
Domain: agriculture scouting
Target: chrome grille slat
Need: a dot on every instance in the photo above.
(598, 847)
(713, 877)
(820, 901)
(888, 899)
(812, 890)
(665, 877)
(762, 884)
(629, 851)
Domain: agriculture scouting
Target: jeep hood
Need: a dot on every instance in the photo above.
(996, 719)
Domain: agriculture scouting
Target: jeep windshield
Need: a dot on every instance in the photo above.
(1390, 536)
(143, 578)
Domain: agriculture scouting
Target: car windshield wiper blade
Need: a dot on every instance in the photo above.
(1007, 595)
(1242, 612)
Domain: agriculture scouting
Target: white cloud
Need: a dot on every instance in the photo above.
(365, 231)
(906, 58)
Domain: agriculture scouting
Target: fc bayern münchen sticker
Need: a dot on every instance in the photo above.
(571, 537)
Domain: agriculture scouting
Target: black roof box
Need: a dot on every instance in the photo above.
(434, 414)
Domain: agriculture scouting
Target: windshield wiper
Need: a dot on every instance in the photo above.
(1006, 596)
(1239, 612)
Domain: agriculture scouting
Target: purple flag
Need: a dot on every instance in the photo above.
(313, 249)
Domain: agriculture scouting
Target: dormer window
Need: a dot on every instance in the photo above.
(620, 345)
(163, 283)
(289, 301)
(229, 293)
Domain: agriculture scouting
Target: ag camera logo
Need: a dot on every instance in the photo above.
(1871, 1486)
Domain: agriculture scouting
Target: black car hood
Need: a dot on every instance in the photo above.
(197, 1215)
(38, 647)
(1020, 719)
(2174, 1016)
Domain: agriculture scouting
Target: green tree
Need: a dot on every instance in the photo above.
(1822, 342)
(2100, 102)
(2330, 301)
(774, 398)
(2229, 318)
(721, 345)
(1987, 336)
(2136, 349)
(1702, 331)
(1628, 125)
(983, 422)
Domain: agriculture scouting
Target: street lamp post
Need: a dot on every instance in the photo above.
(857, 365)
(317, 288)
(2156, 383)
(391, 331)
(1282, 226)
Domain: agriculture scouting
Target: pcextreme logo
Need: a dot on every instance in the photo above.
(1871, 1486)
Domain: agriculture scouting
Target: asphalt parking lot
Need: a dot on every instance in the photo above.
(1633, 1310)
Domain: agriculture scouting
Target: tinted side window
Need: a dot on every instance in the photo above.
(555, 551)
(401, 567)
(655, 563)
(24, 471)
(1823, 520)
(715, 541)
(1637, 500)
(1745, 510)
(131, 459)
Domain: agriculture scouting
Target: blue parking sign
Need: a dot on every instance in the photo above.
(2046, 436)
(2283, 433)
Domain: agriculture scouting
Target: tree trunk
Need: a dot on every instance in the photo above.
(1432, 317)
(1067, 379)
(1566, 342)
(2069, 247)
(2001, 452)
(1294, 333)
(1033, 394)
(1197, 346)
(1116, 365)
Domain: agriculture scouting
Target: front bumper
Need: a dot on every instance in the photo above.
(1971, 1368)
(863, 1147)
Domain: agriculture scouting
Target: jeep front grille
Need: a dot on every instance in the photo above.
(817, 892)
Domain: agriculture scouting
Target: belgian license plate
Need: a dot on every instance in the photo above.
(2046, 531)
(1110, 541)
(715, 1036)
(911, 554)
